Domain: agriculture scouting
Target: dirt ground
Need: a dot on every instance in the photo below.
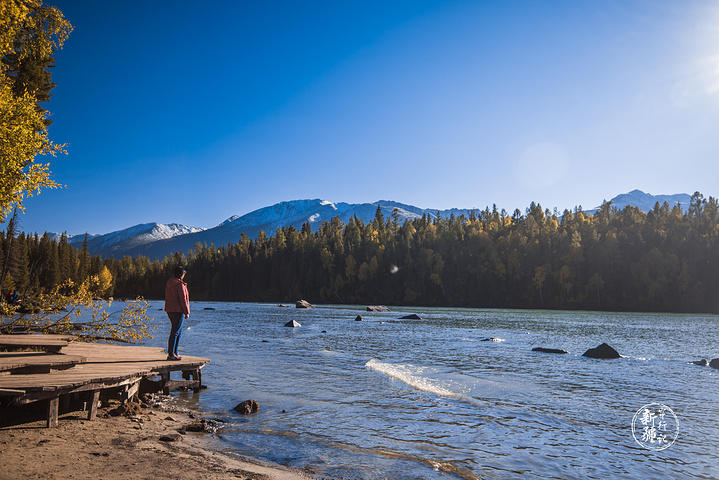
(126, 447)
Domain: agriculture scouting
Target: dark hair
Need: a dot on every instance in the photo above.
(179, 271)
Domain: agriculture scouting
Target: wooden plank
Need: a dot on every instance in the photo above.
(33, 340)
(74, 377)
(11, 392)
(13, 361)
(130, 390)
(37, 395)
(103, 353)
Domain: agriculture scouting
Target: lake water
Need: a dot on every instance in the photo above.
(390, 398)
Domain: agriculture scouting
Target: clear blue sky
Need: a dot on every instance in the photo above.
(191, 112)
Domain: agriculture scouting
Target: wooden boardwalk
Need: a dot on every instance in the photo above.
(66, 368)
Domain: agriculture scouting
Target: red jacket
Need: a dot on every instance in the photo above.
(176, 297)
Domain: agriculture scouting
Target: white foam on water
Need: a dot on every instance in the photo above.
(414, 376)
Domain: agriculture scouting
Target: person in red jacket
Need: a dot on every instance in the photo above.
(177, 305)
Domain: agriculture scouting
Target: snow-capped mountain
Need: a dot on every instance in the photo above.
(157, 240)
(268, 219)
(117, 243)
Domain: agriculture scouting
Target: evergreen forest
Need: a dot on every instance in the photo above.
(618, 260)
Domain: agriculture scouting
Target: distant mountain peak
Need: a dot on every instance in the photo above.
(645, 201)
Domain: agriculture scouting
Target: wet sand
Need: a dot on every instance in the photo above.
(127, 447)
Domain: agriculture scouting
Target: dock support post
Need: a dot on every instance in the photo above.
(52, 407)
(195, 378)
(94, 400)
(130, 391)
(165, 379)
(198, 379)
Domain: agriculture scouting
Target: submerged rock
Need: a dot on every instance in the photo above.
(293, 324)
(714, 363)
(209, 308)
(377, 308)
(492, 339)
(603, 351)
(358, 318)
(412, 316)
(204, 425)
(702, 363)
(548, 350)
(303, 304)
(247, 407)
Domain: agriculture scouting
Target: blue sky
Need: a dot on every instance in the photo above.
(187, 112)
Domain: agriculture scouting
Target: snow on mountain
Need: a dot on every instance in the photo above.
(157, 240)
(116, 243)
(268, 219)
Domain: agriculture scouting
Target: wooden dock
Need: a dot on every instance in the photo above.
(61, 368)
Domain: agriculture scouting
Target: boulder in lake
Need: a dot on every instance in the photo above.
(412, 316)
(293, 324)
(492, 339)
(603, 351)
(303, 304)
(209, 308)
(358, 318)
(714, 363)
(247, 407)
(548, 350)
(377, 308)
(702, 363)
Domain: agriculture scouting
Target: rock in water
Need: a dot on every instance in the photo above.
(303, 304)
(549, 350)
(603, 351)
(412, 316)
(247, 407)
(714, 363)
(358, 318)
(492, 339)
(702, 363)
(377, 308)
(293, 324)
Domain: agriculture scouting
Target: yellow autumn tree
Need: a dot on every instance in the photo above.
(29, 33)
(104, 281)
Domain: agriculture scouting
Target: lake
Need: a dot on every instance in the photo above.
(429, 398)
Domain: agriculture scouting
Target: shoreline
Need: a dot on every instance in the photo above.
(128, 446)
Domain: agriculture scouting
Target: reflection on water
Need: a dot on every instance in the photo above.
(391, 398)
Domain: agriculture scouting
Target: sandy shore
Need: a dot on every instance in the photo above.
(125, 446)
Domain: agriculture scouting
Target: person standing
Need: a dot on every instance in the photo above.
(177, 305)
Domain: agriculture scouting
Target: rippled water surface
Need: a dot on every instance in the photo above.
(392, 398)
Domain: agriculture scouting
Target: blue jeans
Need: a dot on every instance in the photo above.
(175, 332)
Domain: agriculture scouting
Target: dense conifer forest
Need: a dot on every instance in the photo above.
(664, 260)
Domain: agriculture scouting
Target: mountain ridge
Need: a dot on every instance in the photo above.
(159, 240)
